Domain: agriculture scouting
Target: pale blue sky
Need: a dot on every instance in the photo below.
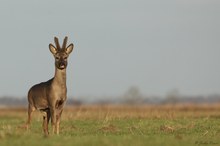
(157, 45)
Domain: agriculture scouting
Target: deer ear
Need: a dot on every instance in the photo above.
(53, 49)
(69, 49)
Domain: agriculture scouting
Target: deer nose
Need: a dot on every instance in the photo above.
(62, 63)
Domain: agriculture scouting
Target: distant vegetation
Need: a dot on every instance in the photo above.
(130, 119)
(132, 96)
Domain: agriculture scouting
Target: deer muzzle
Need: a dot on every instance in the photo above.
(61, 64)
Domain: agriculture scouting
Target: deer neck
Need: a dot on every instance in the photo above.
(60, 77)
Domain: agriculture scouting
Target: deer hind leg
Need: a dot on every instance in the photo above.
(46, 119)
(31, 109)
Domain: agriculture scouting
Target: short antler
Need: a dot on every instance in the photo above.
(57, 42)
(65, 42)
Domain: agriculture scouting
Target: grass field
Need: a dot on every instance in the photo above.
(117, 125)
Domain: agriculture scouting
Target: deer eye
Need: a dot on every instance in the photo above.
(57, 58)
(65, 58)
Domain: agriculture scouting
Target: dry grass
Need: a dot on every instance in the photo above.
(118, 125)
(108, 112)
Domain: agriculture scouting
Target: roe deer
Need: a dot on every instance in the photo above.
(49, 97)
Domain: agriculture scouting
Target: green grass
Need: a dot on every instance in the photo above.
(114, 129)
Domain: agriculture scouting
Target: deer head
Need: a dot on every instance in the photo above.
(61, 53)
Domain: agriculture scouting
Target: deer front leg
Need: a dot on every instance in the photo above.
(58, 117)
(53, 119)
